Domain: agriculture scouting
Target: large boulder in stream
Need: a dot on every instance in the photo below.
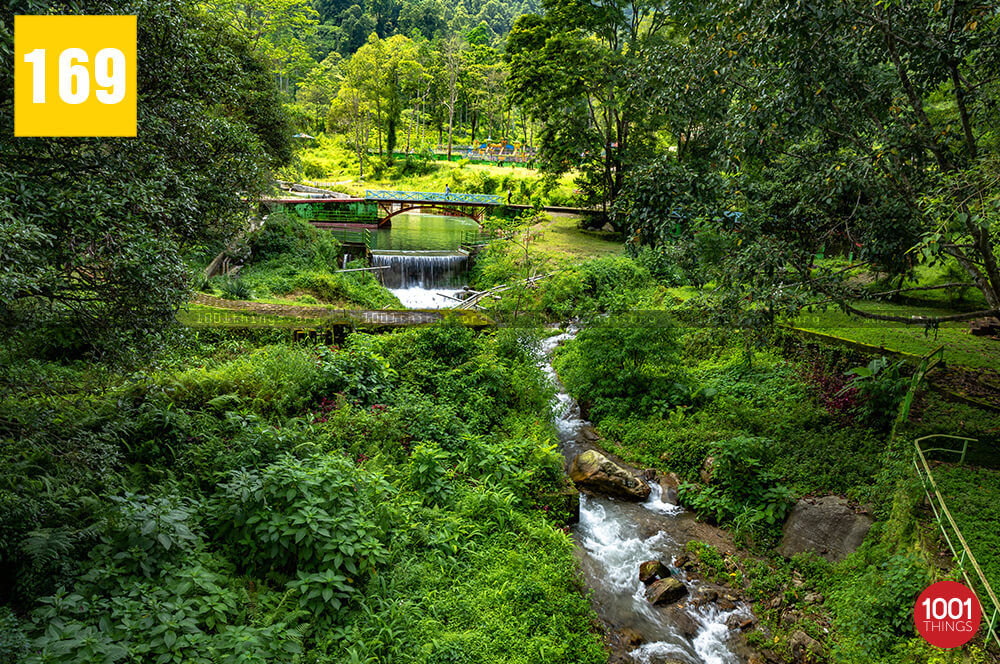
(666, 591)
(592, 470)
(826, 526)
(651, 570)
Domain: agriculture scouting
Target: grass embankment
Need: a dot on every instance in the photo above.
(330, 161)
(250, 499)
(972, 496)
(288, 261)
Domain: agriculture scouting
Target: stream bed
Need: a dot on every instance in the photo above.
(614, 536)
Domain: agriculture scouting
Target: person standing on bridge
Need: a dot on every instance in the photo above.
(447, 192)
(509, 193)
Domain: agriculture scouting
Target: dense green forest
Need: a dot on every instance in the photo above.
(778, 213)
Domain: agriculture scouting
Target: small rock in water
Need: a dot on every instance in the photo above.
(651, 570)
(666, 591)
(680, 619)
(631, 637)
(593, 470)
(681, 562)
(726, 605)
(746, 624)
(734, 622)
(668, 488)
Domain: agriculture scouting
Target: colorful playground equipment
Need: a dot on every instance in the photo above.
(501, 151)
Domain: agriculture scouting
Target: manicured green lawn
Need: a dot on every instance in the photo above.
(960, 346)
(561, 238)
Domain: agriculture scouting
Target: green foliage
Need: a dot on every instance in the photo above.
(255, 538)
(13, 641)
(972, 494)
(235, 289)
(144, 535)
(872, 595)
(275, 380)
(289, 238)
(429, 472)
(622, 365)
(742, 490)
(357, 372)
(317, 514)
(96, 225)
(809, 449)
(882, 387)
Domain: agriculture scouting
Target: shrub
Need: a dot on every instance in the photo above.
(273, 380)
(291, 239)
(304, 516)
(145, 534)
(872, 596)
(235, 289)
(13, 642)
(620, 365)
(881, 387)
(742, 491)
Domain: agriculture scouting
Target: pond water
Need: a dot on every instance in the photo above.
(424, 232)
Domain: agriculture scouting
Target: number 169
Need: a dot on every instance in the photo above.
(74, 78)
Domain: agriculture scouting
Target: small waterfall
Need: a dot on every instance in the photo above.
(421, 269)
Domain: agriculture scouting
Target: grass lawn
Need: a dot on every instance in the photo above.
(329, 162)
(561, 238)
(961, 348)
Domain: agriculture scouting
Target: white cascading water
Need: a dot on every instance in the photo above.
(615, 536)
(422, 279)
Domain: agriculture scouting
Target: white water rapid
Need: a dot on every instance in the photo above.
(615, 536)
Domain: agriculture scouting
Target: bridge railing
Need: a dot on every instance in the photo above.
(431, 197)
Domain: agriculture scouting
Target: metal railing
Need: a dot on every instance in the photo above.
(942, 515)
(431, 197)
(964, 558)
(362, 236)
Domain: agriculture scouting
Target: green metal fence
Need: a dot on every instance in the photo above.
(965, 560)
(334, 211)
(363, 236)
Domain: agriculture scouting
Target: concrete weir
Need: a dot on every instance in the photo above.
(421, 269)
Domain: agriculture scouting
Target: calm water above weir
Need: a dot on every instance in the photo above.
(424, 232)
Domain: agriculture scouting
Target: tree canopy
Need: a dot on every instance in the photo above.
(866, 125)
(92, 228)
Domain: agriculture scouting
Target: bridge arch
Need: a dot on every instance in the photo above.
(476, 214)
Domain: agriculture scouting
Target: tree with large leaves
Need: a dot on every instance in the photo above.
(92, 229)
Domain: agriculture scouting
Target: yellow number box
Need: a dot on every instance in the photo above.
(74, 75)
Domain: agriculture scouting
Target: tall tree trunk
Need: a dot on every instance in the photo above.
(378, 122)
(409, 128)
(451, 115)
